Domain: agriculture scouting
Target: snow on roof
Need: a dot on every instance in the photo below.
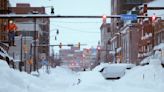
(155, 61)
(99, 67)
(145, 60)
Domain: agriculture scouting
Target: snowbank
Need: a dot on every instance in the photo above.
(14, 81)
(148, 78)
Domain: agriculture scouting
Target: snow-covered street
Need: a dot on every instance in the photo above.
(148, 78)
(81, 46)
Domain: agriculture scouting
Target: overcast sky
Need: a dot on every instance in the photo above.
(72, 31)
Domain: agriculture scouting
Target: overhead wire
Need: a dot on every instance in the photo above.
(75, 30)
(75, 22)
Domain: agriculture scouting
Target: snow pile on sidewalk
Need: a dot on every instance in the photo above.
(159, 54)
(148, 78)
(13, 80)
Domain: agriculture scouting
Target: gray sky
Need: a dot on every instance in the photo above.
(85, 31)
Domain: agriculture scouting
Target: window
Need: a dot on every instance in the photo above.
(108, 29)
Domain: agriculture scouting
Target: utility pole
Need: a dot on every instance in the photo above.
(106, 54)
(21, 61)
(115, 54)
(34, 50)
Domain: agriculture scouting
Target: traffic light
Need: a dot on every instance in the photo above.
(55, 38)
(104, 18)
(57, 31)
(52, 10)
(153, 18)
(60, 45)
(79, 45)
(98, 48)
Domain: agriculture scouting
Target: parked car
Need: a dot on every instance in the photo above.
(126, 65)
(5, 56)
(113, 71)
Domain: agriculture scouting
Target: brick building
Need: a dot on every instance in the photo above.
(124, 35)
(71, 58)
(105, 46)
(27, 27)
(42, 23)
(4, 9)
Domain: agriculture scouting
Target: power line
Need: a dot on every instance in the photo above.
(77, 30)
(73, 22)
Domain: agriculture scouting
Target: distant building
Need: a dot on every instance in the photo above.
(71, 58)
(89, 58)
(43, 23)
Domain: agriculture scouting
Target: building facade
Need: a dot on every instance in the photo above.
(125, 35)
(105, 44)
(38, 29)
(4, 9)
(42, 23)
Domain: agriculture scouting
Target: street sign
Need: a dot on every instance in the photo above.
(128, 17)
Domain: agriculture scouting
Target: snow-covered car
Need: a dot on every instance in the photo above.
(5, 56)
(113, 71)
(126, 65)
